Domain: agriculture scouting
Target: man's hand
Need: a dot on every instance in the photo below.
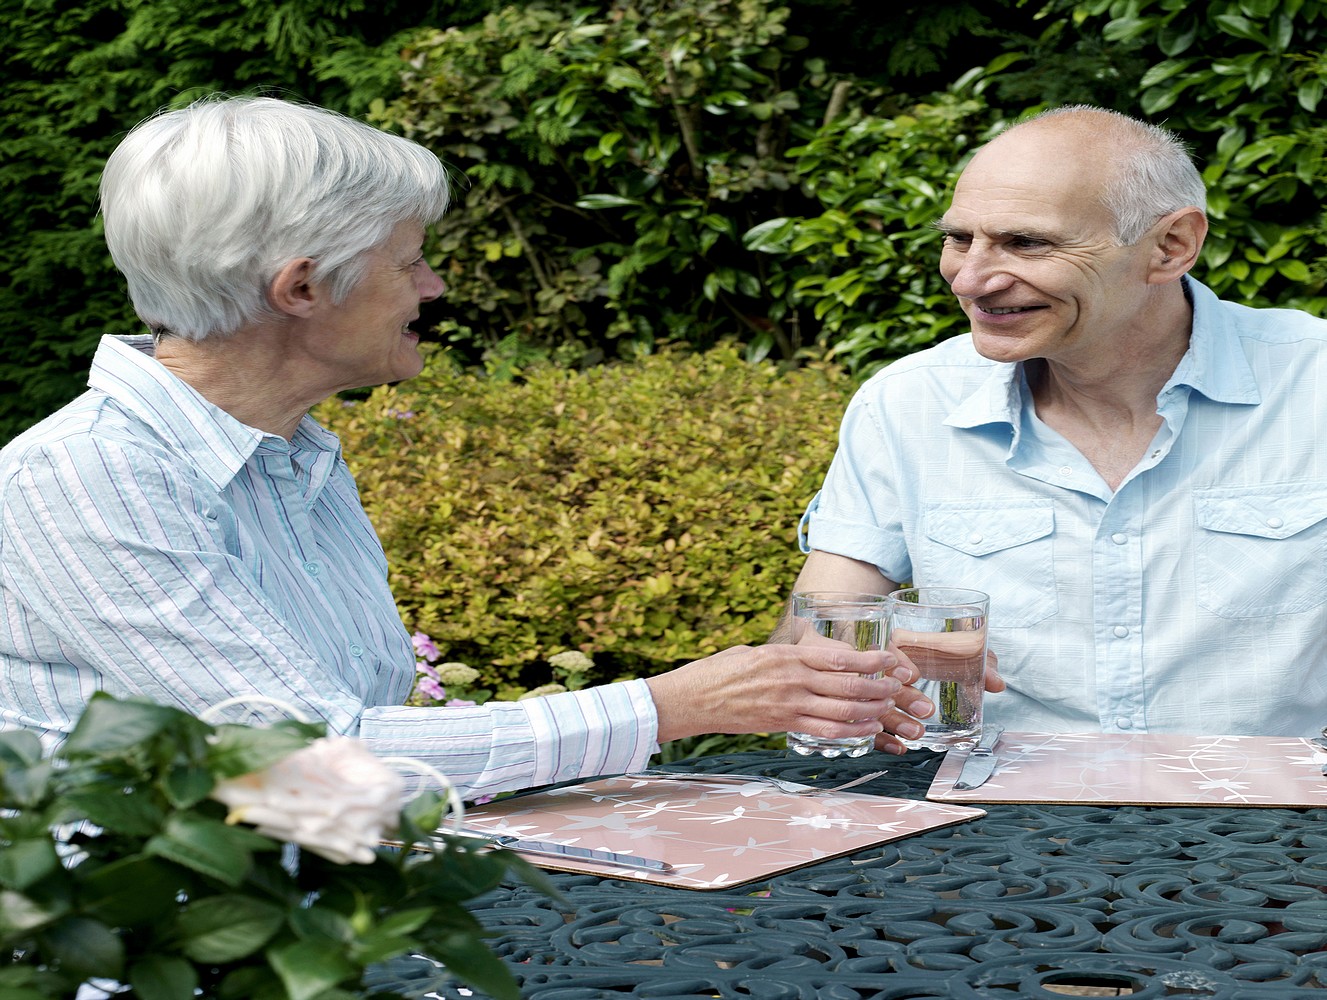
(911, 705)
(824, 690)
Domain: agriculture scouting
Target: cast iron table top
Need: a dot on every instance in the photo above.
(1029, 901)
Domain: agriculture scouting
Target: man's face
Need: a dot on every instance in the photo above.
(1029, 251)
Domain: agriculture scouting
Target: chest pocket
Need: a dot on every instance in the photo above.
(1261, 550)
(1003, 546)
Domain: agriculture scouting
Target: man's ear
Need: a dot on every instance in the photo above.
(1178, 239)
(293, 291)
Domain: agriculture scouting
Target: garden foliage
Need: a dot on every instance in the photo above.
(643, 513)
(663, 171)
(670, 172)
(76, 76)
(119, 868)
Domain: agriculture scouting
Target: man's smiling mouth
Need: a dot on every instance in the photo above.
(1006, 310)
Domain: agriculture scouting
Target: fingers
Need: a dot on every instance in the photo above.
(994, 682)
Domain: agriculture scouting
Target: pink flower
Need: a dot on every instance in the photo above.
(431, 688)
(428, 671)
(424, 646)
(455, 702)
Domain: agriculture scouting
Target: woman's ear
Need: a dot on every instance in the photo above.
(293, 291)
(1179, 238)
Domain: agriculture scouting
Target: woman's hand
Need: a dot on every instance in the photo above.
(824, 690)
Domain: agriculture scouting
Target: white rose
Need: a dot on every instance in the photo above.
(332, 797)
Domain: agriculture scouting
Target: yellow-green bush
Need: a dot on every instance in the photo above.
(643, 513)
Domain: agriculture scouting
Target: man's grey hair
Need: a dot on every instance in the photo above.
(205, 204)
(1156, 173)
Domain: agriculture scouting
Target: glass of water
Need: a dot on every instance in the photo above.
(861, 621)
(942, 630)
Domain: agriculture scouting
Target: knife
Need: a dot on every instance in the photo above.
(981, 760)
(546, 848)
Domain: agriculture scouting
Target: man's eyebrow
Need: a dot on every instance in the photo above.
(949, 229)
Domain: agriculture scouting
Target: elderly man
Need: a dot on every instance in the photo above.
(184, 531)
(1128, 465)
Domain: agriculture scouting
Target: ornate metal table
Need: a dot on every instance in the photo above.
(1030, 901)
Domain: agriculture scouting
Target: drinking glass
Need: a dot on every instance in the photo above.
(942, 630)
(861, 621)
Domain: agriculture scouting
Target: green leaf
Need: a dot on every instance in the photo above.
(19, 749)
(1294, 270)
(237, 750)
(478, 968)
(163, 977)
(596, 201)
(187, 785)
(207, 846)
(129, 891)
(84, 948)
(134, 815)
(108, 724)
(1309, 93)
(25, 862)
(227, 928)
(20, 914)
(26, 785)
(309, 968)
(1242, 27)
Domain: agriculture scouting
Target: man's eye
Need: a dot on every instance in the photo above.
(1027, 243)
(958, 239)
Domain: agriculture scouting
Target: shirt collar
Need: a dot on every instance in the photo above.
(218, 444)
(1214, 365)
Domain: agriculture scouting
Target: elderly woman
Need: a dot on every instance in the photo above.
(185, 531)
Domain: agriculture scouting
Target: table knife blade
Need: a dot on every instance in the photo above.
(549, 849)
(981, 760)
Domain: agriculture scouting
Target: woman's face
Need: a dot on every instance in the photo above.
(368, 337)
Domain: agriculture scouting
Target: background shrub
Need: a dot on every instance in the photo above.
(642, 513)
(663, 171)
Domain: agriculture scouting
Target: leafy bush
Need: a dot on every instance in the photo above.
(77, 76)
(1242, 81)
(867, 267)
(119, 864)
(614, 157)
(642, 513)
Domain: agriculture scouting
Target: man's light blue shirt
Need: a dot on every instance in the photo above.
(152, 545)
(1193, 599)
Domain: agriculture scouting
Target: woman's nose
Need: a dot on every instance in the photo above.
(430, 285)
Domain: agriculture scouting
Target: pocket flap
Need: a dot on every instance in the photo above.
(1271, 511)
(995, 523)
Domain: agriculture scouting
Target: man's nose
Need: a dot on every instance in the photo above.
(976, 271)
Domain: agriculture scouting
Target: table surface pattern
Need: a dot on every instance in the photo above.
(1029, 901)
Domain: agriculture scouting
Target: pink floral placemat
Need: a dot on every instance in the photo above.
(1146, 769)
(716, 833)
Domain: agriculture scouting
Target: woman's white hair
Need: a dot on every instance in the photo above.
(204, 205)
(1155, 176)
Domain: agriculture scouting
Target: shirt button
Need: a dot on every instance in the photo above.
(974, 538)
(1123, 723)
(1121, 632)
(312, 568)
(356, 649)
(1274, 522)
(1119, 538)
(1066, 470)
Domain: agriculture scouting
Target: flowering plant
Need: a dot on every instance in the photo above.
(160, 857)
(451, 684)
